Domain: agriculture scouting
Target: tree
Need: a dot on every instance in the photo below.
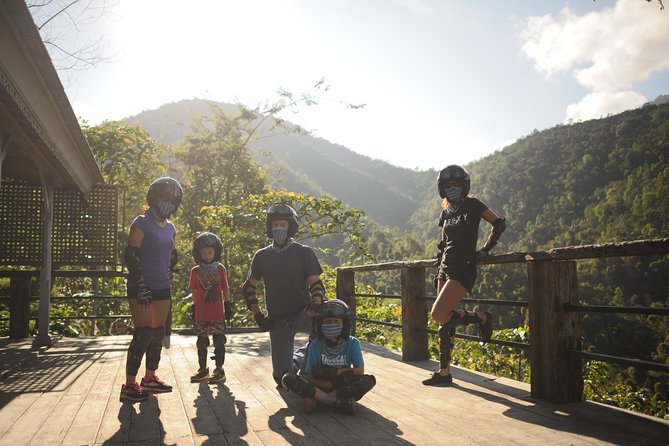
(61, 23)
(129, 159)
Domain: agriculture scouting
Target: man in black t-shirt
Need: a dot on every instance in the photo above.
(291, 273)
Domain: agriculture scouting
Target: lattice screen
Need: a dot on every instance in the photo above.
(84, 232)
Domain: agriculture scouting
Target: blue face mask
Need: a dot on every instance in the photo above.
(331, 331)
(280, 235)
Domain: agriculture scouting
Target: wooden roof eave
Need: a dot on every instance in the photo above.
(37, 122)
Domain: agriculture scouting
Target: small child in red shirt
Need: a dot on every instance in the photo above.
(211, 297)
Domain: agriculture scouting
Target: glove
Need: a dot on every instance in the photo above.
(480, 256)
(324, 371)
(229, 309)
(344, 378)
(143, 294)
(262, 321)
(315, 307)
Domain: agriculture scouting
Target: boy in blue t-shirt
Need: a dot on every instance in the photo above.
(334, 368)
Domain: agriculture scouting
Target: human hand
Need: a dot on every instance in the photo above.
(229, 309)
(314, 309)
(480, 256)
(143, 294)
(345, 378)
(262, 321)
(324, 371)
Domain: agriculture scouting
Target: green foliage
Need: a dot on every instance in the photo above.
(129, 159)
(604, 383)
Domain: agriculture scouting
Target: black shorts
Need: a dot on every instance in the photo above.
(164, 294)
(465, 274)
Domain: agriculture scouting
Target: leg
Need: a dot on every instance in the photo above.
(282, 344)
(449, 297)
(159, 311)
(357, 388)
(141, 320)
(219, 349)
(202, 343)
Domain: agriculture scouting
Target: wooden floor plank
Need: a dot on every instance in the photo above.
(70, 395)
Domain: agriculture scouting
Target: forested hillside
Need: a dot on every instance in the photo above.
(303, 163)
(599, 181)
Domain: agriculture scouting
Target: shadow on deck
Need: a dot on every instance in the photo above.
(69, 395)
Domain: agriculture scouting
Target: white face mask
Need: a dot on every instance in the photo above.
(331, 331)
(280, 235)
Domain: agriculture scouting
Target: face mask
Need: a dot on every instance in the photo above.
(165, 208)
(331, 331)
(453, 194)
(279, 235)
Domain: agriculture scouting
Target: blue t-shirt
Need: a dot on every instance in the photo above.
(350, 354)
(155, 251)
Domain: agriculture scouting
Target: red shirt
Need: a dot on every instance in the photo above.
(208, 311)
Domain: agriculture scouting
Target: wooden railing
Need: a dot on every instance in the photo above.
(554, 312)
(20, 296)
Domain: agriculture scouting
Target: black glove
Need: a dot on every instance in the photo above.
(480, 256)
(143, 294)
(315, 307)
(324, 371)
(229, 309)
(262, 321)
(344, 378)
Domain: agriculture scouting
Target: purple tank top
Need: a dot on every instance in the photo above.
(155, 251)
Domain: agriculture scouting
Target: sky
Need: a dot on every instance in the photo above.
(443, 82)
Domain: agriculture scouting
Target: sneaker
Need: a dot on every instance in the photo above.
(201, 375)
(133, 393)
(345, 405)
(217, 377)
(156, 385)
(438, 380)
(486, 329)
(310, 405)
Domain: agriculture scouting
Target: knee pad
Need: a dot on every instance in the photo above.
(457, 319)
(219, 349)
(446, 334)
(357, 388)
(298, 385)
(154, 348)
(141, 338)
(219, 341)
(202, 342)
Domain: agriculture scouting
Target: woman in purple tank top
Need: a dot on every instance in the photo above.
(150, 257)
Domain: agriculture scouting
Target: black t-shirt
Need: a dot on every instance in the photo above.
(460, 231)
(285, 277)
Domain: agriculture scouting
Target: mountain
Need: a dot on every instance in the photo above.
(308, 164)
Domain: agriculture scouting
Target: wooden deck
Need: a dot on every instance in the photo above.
(68, 395)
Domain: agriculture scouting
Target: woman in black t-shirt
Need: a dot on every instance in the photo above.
(459, 221)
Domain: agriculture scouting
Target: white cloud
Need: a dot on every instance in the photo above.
(599, 104)
(608, 52)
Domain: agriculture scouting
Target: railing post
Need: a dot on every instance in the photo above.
(19, 306)
(556, 376)
(414, 316)
(346, 292)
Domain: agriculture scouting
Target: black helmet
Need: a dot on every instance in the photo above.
(334, 308)
(207, 239)
(282, 212)
(453, 173)
(164, 196)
